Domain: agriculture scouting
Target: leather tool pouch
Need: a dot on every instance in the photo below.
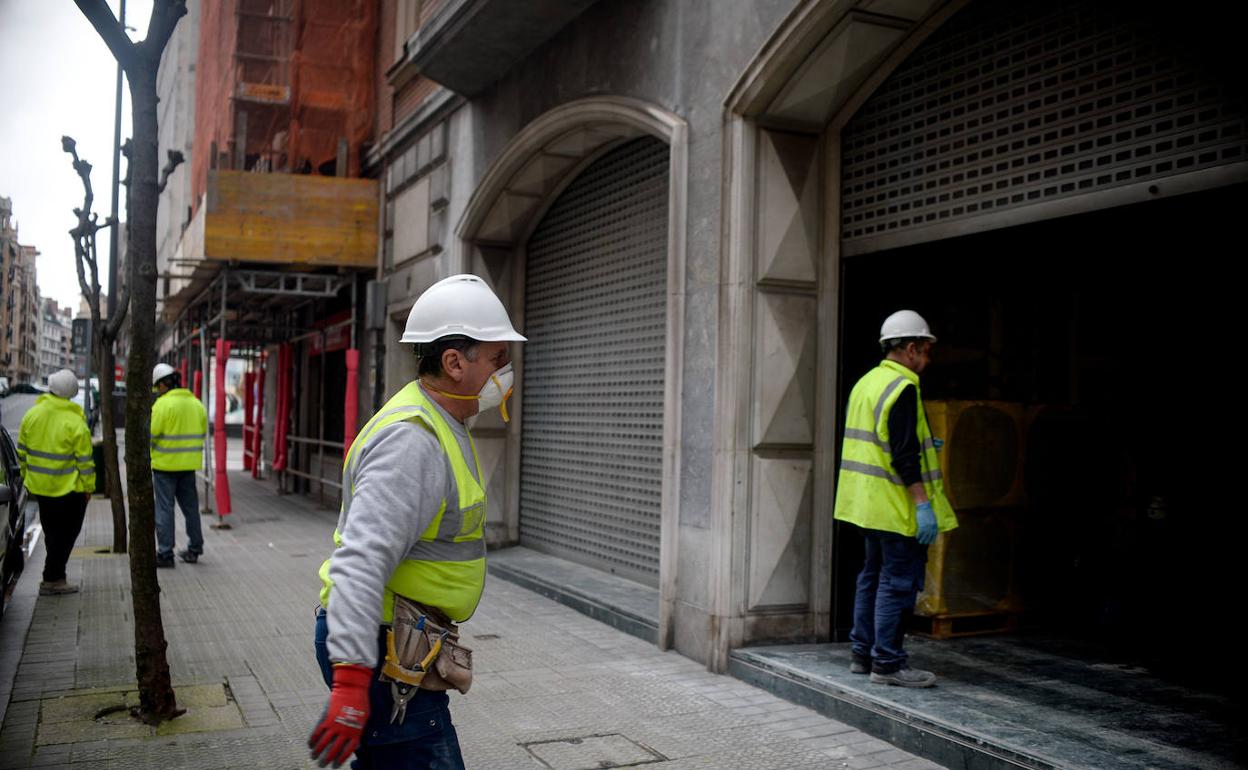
(416, 632)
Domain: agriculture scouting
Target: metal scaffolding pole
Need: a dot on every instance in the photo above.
(206, 505)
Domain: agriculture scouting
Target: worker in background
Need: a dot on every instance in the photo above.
(411, 525)
(54, 448)
(890, 486)
(179, 427)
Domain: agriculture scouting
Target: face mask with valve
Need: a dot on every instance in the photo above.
(494, 393)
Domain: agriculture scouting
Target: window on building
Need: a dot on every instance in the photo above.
(407, 15)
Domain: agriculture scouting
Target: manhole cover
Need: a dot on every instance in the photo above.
(592, 752)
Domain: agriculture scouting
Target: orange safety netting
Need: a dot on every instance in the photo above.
(280, 82)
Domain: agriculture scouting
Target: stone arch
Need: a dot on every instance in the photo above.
(772, 488)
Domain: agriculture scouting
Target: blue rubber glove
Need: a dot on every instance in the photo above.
(927, 523)
(938, 443)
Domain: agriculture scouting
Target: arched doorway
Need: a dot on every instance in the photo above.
(589, 197)
(1037, 171)
(591, 457)
(858, 133)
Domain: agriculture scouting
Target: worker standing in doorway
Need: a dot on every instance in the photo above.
(410, 547)
(890, 486)
(58, 468)
(179, 427)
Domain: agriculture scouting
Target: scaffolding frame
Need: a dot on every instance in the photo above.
(254, 309)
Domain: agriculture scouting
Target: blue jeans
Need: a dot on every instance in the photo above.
(891, 578)
(180, 485)
(424, 740)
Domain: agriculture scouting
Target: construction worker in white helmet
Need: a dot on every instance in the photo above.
(179, 428)
(890, 486)
(410, 547)
(58, 468)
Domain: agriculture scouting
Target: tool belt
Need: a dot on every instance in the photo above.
(423, 649)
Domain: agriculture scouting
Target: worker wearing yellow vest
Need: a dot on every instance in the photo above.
(411, 525)
(179, 427)
(54, 448)
(890, 486)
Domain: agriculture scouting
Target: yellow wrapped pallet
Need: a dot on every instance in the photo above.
(972, 570)
(982, 460)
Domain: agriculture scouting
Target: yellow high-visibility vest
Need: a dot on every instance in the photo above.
(447, 572)
(179, 427)
(54, 448)
(868, 491)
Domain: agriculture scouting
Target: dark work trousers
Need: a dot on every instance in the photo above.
(891, 578)
(176, 485)
(62, 521)
(424, 740)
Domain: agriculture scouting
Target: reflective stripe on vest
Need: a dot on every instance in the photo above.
(446, 567)
(869, 492)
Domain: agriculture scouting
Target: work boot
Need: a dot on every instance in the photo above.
(165, 562)
(188, 556)
(859, 664)
(56, 588)
(905, 677)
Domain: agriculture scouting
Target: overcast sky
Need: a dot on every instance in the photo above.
(57, 77)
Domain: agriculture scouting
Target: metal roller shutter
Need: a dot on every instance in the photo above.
(595, 316)
(1010, 105)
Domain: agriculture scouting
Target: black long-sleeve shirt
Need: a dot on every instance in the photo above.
(903, 437)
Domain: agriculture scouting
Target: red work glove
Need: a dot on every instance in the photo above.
(338, 735)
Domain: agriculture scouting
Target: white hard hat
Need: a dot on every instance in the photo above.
(63, 383)
(905, 324)
(161, 371)
(459, 305)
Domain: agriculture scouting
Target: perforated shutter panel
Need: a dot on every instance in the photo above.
(1013, 104)
(595, 316)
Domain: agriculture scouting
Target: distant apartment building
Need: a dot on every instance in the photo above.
(55, 326)
(19, 344)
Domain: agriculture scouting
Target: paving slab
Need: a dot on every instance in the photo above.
(553, 687)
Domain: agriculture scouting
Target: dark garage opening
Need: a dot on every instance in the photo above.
(1117, 334)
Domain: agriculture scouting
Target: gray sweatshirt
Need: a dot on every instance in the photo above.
(400, 482)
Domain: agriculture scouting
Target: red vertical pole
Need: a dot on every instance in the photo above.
(221, 481)
(283, 407)
(249, 382)
(199, 385)
(182, 373)
(351, 407)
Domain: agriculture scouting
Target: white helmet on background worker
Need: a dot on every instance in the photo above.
(161, 371)
(905, 324)
(461, 305)
(63, 383)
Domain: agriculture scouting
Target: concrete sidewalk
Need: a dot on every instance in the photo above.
(553, 688)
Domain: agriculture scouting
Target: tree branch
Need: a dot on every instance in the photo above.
(78, 262)
(82, 233)
(175, 157)
(165, 15)
(113, 326)
(109, 29)
(126, 147)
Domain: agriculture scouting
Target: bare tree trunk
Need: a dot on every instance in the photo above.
(141, 61)
(155, 690)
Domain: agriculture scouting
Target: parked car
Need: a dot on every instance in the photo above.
(4, 386)
(27, 387)
(13, 512)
